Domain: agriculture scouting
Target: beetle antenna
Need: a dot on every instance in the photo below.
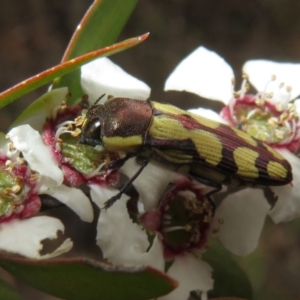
(97, 101)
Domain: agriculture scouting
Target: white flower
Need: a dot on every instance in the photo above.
(102, 76)
(41, 175)
(116, 231)
(40, 158)
(211, 77)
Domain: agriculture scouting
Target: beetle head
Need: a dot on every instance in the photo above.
(91, 128)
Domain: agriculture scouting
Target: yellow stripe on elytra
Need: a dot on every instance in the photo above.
(276, 170)
(177, 157)
(247, 138)
(207, 144)
(274, 152)
(118, 143)
(170, 109)
(245, 160)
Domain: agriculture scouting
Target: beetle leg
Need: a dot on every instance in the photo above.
(118, 163)
(113, 199)
(211, 202)
(218, 188)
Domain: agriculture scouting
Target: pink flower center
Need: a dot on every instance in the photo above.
(19, 190)
(182, 218)
(273, 123)
(79, 163)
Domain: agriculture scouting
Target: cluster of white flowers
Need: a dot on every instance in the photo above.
(124, 242)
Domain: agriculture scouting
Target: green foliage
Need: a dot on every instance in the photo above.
(99, 28)
(229, 279)
(81, 278)
(7, 292)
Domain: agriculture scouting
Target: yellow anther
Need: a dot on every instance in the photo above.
(221, 221)
(79, 121)
(269, 95)
(245, 76)
(63, 105)
(260, 101)
(215, 230)
(34, 177)
(76, 132)
(11, 147)
(279, 106)
(187, 227)
(9, 163)
(21, 160)
(279, 134)
(16, 189)
(289, 89)
(236, 94)
(284, 116)
(69, 127)
(281, 85)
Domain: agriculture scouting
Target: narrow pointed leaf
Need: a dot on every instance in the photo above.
(81, 279)
(40, 79)
(229, 279)
(7, 291)
(100, 27)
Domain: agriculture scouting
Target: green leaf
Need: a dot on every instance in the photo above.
(7, 292)
(229, 279)
(82, 278)
(42, 78)
(100, 27)
(41, 108)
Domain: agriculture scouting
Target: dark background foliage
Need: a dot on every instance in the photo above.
(34, 34)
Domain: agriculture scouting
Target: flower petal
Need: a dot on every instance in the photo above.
(37, 154)
(74, 199)
(297, 105)
(207, 113)
(4, 147)
(102, 76)
(122, 241)
(153, 175)
(204, 73)
(25, 236)
(287, 206)
(261, 71)
(192, 274)
(244, 214)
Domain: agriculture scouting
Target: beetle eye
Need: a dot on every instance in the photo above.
(91, 133)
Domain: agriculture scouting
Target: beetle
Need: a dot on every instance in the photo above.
(216, 153)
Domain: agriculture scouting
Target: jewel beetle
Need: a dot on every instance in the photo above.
(216, 153)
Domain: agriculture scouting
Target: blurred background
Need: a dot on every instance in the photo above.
(34, 34)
